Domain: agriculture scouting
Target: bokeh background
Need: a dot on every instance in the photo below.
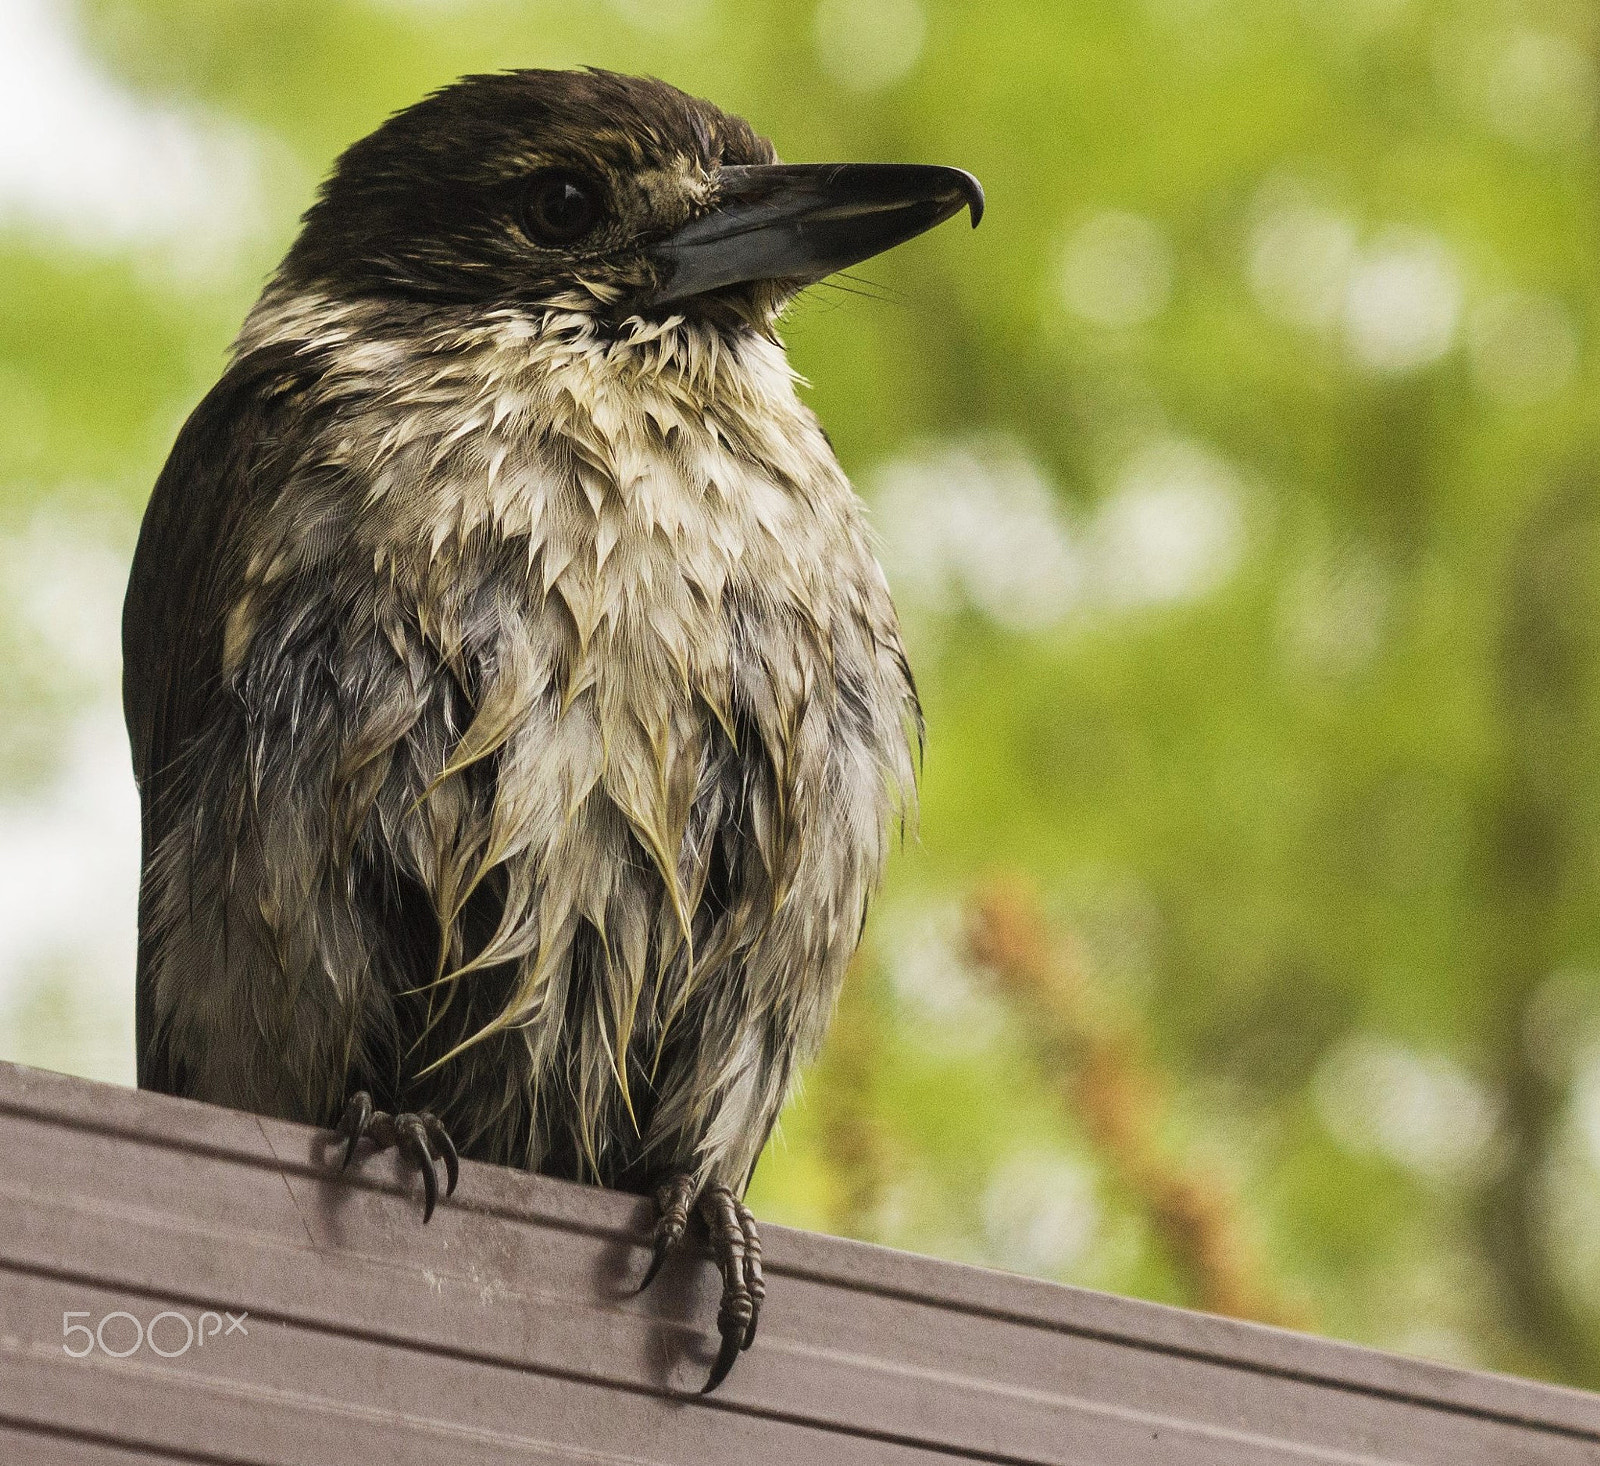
(1239, 482)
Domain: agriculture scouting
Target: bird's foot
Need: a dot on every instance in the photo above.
(421, 1139)
(737, 1249)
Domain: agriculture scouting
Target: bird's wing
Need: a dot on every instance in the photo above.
(231, 457)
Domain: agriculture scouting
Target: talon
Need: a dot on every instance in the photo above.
(421, 1139)
(353, 1124)
(444, 1147)
(413, 1142)
(732, 1228)
(737, 1249)
(725, 1357)
(663, 1245)
(672, 1220)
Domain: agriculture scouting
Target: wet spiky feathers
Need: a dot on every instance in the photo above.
(557, 715)
(519, 713)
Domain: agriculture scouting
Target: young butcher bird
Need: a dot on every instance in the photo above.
(518, 710)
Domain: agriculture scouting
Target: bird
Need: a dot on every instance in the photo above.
(519, 712)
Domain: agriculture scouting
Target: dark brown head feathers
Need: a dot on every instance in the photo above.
(436, 203)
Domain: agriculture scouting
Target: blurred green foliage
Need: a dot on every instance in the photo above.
(1291, 310)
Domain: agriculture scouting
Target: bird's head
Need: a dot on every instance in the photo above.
(618, 196)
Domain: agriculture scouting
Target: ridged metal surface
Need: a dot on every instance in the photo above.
(505, 1331)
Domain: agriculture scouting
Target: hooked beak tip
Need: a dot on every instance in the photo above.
(972, 193)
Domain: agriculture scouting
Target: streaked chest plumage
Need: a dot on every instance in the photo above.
(587, 635)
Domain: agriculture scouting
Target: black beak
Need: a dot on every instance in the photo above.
(800, 222)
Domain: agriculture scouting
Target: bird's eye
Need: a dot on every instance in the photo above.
(562, 207)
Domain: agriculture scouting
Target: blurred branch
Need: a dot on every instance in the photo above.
(1117, 1092)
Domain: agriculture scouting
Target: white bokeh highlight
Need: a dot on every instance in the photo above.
(1173, 527)
(1300, 255)
(69, 851)
(1040, 1213)
(1422, 1111)
(980, 526)
(1116, 270)
(1540, 89)
(1402, 303)
(1394, 297)
(869, 45)
(924, 950)
(86, 158)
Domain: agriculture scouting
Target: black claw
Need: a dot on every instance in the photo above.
(663, 1245)
(422, 1140)
(445, 1148)
(725, 1358)
(673, 1200)
(413, 1141)
(738, 1253)
(737, 1248)
(353, 1125)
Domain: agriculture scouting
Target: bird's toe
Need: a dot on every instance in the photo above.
(421, 1138)
(754, 1281)
(353, 1124)
(737, 1249)
(445, 1148)
(673, 1200)
(413, 1143)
